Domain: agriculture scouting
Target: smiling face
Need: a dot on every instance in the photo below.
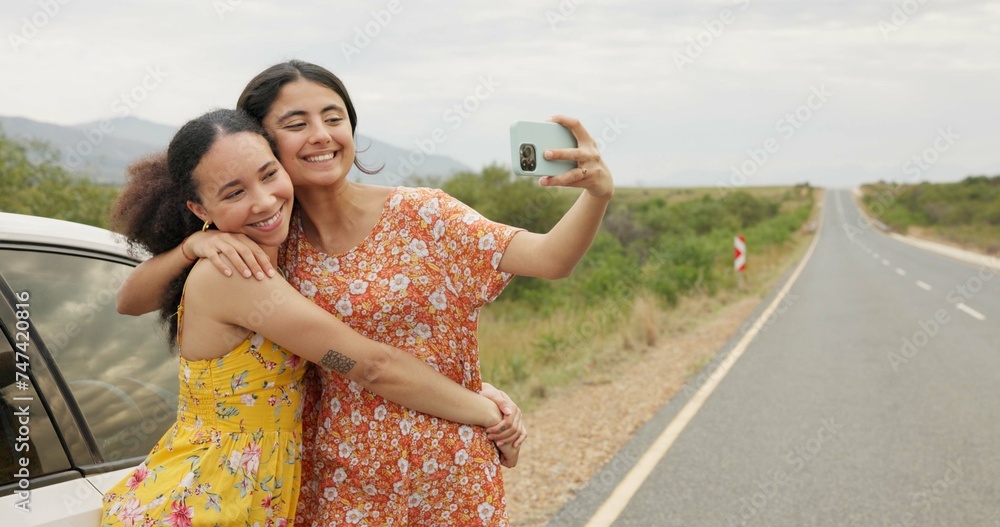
(243, 189)
(310, 125)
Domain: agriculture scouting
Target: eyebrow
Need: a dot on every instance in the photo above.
(296, 113)
(236, 182)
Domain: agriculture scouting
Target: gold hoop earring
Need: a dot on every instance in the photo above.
(205, 227)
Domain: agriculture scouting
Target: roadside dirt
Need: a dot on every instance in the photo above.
(928, 234)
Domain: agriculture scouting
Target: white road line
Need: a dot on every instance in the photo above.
(620, 497)
(874, 255)
(972, 312)
(923, 285)
(900, 272)
(885, 262)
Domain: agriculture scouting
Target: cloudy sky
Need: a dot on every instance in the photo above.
(706, 93)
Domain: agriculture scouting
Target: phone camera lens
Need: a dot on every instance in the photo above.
(527, 157)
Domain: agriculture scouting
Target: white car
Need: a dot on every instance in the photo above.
(84, 391)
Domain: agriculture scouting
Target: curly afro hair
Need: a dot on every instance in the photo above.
(151, 210)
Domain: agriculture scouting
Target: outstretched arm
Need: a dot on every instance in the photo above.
(142, 290)
(295, 323)
(556, 253)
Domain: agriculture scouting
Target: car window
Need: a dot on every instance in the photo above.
(118, 367)
(30, 447)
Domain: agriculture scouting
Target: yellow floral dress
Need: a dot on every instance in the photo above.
(416, 282)
(233, 456)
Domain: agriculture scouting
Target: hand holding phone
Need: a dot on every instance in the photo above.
(528, 142)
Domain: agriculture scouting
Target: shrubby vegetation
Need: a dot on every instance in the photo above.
(646, 243)
(32, 182)
(966, 212)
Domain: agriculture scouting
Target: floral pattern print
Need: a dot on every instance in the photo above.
(233, 456)
(416, 282)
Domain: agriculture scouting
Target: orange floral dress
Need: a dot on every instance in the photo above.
(416, 282)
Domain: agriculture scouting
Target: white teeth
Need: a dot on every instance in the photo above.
(324, 157)
(270, 221)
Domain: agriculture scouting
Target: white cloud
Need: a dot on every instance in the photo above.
(596, 59)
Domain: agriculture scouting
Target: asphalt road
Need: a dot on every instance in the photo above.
(870, 398)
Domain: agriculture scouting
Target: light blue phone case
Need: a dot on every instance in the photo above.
(528, 142)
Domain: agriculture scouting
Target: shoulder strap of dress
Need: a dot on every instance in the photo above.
(180, 320)
(180, 312)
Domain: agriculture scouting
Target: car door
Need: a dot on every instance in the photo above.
(84, 391)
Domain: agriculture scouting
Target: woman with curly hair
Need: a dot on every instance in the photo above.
(233, 456)
(411, 267)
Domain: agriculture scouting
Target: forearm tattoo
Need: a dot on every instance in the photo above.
(337, 362)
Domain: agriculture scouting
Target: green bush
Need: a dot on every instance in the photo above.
(974, 200)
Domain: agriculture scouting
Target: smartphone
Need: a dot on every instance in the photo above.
(528, 142)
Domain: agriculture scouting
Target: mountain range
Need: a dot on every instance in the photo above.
(102, 150)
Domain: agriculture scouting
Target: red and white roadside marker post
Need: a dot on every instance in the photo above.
(740, 260)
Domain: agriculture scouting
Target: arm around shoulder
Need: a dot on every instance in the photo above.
(277, 311)
(142, 290)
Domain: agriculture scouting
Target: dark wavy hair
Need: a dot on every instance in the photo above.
(151, 210)
(260, 93)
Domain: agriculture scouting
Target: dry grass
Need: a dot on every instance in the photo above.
(644, 312)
